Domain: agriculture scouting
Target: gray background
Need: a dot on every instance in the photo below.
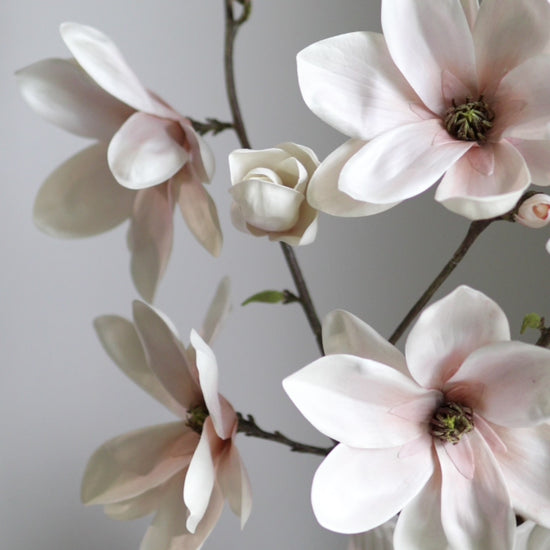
(61, 396)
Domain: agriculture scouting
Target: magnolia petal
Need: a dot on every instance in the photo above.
(81, 198)
(221, 412)
(401, 163)
(450, 330)
(234, 482)
(506, 34)
(202, 157)
(142, 505)
(121, 342)
(351, 82)
(219, 309)
(133, 463)
(536, 154)
(476, 513)
(303, 231)
(199, 212)
(324, 194)
(244, 161)
(510, 381)
(166, 356)
(346, 333)
(150, 238)
(350, 399)
(61, 92)
(471, 9)
(379, 538)
(304, 155)
(102, 60)
(427, 38)
(356, 490)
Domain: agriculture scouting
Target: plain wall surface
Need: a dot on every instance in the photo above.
(61, 396)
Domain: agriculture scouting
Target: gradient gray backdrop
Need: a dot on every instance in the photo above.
(62, 396)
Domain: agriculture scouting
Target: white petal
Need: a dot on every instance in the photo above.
(219, 309)
(302, 232)
(536, 154)
(304, 155)
(141, 505)
(244, 161)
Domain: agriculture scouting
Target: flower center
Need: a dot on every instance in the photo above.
(469, 121)
(451, 421)
(196, 418)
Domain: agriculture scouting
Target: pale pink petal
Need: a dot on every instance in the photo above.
(346, 333)
(448, 331)
(81, 198)
(133, 463)
(351, 82)
(102, 60)
(222, 414)
(166, 356)
(323, 192)
(150, 238)
(536, 154)
(419, 524)
(462, 456)
(467, 191)
(219, 309)
(141, 505)
(61, 92)
(356, 490)
(234, 482)
(146, 151)
(203, 161)
(401, 163)
(427, 38)
(121, 342)
(199, 211)
(471, 9)
(525, 463)
(507, 33)
(350, 399)
(511, 383)
(476, 513)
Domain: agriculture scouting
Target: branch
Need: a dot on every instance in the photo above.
(211, 125)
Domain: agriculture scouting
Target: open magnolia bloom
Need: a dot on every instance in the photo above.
(532, 537)
(450, 91)
(269, 192)
(452, 434)
(152, 151)
(183, 470)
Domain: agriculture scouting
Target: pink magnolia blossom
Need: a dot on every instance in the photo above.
(182, 470)
(152, 151)
(534, 212)
(452, 435)
(451, 92)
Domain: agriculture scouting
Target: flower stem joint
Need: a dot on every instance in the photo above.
(196, 418)
(451, 421)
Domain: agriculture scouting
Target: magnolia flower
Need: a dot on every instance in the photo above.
(451, 92)
(530, 536)
(375, 539)
(269, 188)
(534, 212)
(142, 143)
(452, 434)
(182, 470)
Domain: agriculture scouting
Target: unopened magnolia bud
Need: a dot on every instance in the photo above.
(534, 212)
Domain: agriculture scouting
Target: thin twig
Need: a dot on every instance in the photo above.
(544, 338)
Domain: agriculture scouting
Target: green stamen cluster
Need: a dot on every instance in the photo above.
(196, 418)
(469, 121)
(451, 421)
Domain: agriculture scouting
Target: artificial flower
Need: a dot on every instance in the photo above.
(182, 470)
(452, 434)
(451, 92)
(530, 536)
(152, 151)
(268, 190)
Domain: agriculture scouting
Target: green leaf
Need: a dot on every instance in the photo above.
(266, 297)
(533, 320)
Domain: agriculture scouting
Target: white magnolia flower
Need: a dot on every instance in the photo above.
(530, 536)
(269, 188)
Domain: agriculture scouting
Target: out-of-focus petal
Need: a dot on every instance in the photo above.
(222, 414)
(146, 151)
(476, 513)
(166, 356)
(133, 463)
(81, 197)
(356, 490)
(471, 9)
(139, 506)
(346, 333)
(323, 192)
(350, 399)
(450, 330)
(102, 60)
(401, 163)
(121, 342)
(426, 39)
(509, 383)
(379, 538)
(536, 154)
(351, 82)
(199, 212)
(217, 312)
(61, 92)
(202, 157)
(150, 238)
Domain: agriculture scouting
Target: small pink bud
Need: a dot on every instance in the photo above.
(535, 211)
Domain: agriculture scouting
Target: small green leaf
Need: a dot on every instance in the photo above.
(533, 320)
(266, 297)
